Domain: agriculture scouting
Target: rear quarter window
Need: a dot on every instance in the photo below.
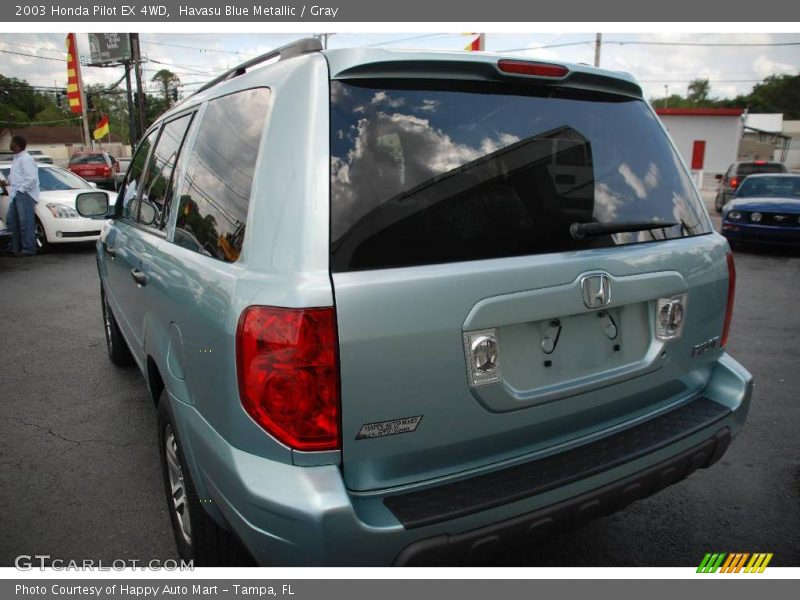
(429, 173)
(215, 192)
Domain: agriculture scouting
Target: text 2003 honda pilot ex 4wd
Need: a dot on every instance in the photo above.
(411, 307)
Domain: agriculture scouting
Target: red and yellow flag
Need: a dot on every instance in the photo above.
(101, 130)
(73, 82)
(478, 43)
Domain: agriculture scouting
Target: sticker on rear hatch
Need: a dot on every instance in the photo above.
(393, 427)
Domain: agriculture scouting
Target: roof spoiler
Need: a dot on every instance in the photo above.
(296, 48)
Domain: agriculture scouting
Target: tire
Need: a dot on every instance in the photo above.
(118, 351)
(718, 204)
(42, 245)
(198, 537)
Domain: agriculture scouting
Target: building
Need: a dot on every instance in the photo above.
(707, 138)
(59, 142)
(791, 130)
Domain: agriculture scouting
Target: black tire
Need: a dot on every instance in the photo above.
(118, 351)
(718, 204)
(203, 541)
(42, 245)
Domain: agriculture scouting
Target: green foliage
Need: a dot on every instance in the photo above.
(776, 94)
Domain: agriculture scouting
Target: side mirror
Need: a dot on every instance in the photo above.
(92, 205)
(718, 176)
(147, 213)
(92, 184)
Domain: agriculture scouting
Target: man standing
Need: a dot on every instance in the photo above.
(23, 181)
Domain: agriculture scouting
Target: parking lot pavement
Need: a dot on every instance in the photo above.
(79, 475)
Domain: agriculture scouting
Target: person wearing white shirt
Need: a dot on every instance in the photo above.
(23, 189)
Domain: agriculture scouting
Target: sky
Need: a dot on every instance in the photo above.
(654, 59)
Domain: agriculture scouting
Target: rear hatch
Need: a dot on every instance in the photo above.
(476, 324)
(90, 165)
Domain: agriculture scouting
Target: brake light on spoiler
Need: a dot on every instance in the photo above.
(533, 69)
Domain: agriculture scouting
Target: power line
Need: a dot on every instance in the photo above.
(35, 123)
(32, 55)
(198, 48)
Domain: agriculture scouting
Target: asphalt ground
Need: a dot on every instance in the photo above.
(80, 478)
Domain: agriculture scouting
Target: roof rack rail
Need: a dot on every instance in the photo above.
(296, 48)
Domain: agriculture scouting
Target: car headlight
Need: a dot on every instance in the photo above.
(755, 217)
(62, 211)
(734, 215)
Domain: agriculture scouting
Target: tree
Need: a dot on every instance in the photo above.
(698, 91)
(19, 102)
(169, 83)
(777, 94)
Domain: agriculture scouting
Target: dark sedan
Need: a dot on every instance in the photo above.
(765, 209)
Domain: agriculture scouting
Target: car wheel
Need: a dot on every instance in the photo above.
(42, 245)
(118, 351)
(197, 536)
(718, 203)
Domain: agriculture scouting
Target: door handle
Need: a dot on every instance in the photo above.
(138, 276)
(109, 250)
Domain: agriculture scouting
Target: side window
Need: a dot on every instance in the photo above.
(130, 189)
(156, 194)
(219, 175)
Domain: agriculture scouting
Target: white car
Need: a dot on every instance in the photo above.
(57, 221)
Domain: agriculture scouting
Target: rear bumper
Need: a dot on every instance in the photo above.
(293, 515)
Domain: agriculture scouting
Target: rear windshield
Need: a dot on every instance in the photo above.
(442, 172)
(786, 187)
(746, 169)
(87, 159)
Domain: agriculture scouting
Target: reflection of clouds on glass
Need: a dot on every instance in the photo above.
(423, 152)
(606, 203)
(638, 184)
(428, 105)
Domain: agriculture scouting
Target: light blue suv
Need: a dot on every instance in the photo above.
(409, 308)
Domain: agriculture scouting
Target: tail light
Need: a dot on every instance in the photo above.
(729, 305)
(524, 67)
(287, 366)
(106, 171)
(734, 182)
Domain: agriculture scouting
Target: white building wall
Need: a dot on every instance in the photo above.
(720, 133)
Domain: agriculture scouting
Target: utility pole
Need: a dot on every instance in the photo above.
(323, 37)
(131, 117)
(666, 95)
(136, 57)
(87, 139)
(598, 42)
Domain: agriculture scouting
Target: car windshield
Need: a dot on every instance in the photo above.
(427, 172)
(746, 169)
(87, 159)
(54, 179)
(782, 187)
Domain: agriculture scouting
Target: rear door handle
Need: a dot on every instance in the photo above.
(138, 276)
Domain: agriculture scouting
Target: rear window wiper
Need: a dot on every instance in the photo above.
(580, 231)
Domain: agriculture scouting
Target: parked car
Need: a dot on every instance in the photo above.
(764, 209)
(57, 221)
(36, 155)
(122, 168)
(95, 166)
(736, 173)
(401, 307)
(5, 236)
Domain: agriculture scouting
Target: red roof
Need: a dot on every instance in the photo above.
(700, 112)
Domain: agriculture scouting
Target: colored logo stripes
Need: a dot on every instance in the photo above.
(734, 562)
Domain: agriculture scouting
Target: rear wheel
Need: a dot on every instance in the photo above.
(118, 351)
(718, 203)
(197, 536)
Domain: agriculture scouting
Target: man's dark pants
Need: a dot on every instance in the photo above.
(22, 223)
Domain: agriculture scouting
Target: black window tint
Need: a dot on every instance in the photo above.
(427, 172)
(746, 169)
(158, 179)
(127, 198)
(219, 175)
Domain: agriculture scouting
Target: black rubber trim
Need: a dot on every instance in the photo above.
(480, 545)
(475, 494)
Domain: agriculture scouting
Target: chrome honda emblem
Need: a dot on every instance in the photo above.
(596, 290)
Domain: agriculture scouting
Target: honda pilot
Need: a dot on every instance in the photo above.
(403, 308)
